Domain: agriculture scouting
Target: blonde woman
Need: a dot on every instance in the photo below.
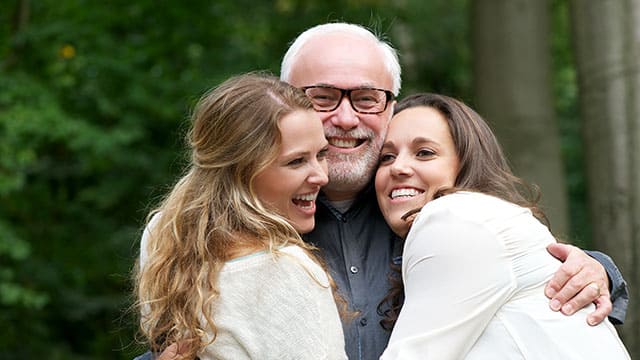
(223, 270)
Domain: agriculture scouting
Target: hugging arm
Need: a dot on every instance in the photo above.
(587, 277)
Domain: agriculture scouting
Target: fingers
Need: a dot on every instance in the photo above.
(579, 281)
(595, 288)
(589, 294)
(603, 309)
(175, 350)
(572, 294)
(560, 251)
(170, 353)
(564, 284)
(566, 271)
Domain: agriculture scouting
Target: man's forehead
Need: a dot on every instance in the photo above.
(339, 46)
(340, 61)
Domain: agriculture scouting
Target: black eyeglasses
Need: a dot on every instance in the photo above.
(363, 100)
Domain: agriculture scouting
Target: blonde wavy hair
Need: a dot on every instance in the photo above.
(213, 211)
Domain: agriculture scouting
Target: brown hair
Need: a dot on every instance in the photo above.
(483, 168)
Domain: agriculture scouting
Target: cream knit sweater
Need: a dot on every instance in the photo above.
(276, 308)
(273, 307)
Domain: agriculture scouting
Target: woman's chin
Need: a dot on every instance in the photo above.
(400, 227)
(304, 227)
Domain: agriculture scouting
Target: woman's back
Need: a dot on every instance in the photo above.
(475, 268)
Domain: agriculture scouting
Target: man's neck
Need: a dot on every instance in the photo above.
(333, 196)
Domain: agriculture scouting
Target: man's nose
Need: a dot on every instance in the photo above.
(345, 117)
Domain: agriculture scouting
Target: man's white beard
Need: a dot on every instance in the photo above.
(352, 172)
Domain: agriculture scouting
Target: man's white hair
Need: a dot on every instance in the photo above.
(389, 54)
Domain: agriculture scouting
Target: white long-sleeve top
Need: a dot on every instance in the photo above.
(273, 307)
(474, 269)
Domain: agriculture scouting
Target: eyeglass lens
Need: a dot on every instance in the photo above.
(362, 100)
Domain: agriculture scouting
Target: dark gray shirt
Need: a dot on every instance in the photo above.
(358, 248)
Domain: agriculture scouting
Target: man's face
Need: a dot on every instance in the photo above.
(347, 62)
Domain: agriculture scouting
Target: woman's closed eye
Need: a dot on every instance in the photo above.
(322, 154)
(296, 161)
(422, 153)
(387, 158)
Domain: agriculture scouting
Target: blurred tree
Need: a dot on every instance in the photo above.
(433, 43)
(565, 89)
(513, 88)
(607, 47)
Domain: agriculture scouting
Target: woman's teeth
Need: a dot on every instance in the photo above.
(396, 193)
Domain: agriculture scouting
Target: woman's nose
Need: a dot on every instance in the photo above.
(319, 173)
(401, 167)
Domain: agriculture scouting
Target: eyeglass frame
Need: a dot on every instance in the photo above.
(347, 92)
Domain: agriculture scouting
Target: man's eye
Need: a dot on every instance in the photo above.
(323, 98)
(366, 98)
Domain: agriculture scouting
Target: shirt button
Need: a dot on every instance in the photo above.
(363, 321)
(353, 269)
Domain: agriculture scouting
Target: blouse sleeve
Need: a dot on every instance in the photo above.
(456, 274)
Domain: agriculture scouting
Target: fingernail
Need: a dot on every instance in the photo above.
(555, 305)
(591, 321)
(567, 309)
(550, 292)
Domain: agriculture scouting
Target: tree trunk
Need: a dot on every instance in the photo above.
(606, 41)
(18, 24)
(512, 69)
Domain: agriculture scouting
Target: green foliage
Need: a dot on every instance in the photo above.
(12, 293)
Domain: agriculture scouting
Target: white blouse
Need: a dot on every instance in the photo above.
(474, 269)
